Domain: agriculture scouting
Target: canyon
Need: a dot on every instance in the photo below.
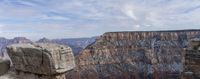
(77, 44)
(137, 55)
(134, 55)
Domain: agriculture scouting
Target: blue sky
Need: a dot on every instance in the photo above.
(35, 19)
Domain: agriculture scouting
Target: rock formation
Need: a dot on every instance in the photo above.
(44, 40)
(4, 65)
(134, 55)
(41, 61)
(192, 60)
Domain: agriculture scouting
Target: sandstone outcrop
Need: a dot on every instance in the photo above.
(134, 55)
(41, 61)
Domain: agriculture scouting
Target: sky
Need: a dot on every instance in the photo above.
(35, 19)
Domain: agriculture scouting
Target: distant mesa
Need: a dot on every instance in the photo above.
(44, 40)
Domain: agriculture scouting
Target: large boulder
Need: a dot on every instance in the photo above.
(41, 58)
(4, 66)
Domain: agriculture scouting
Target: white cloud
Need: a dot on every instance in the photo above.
(129, 11)
(166, 16)
(137, 26)
(55, 17)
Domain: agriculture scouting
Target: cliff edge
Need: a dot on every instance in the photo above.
(134, 55)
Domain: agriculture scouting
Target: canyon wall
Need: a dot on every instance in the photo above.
(192, 60)
(134, 55)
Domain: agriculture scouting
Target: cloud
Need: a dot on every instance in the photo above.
(46, 17)
(80, 18)
(164, 14)
(129, 11)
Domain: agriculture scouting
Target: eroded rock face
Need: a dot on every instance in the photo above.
(192, 60)
(4, 66)
(41, 60)
(134, 55)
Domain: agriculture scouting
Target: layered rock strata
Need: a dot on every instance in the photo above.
(192, 60)
(134, 55)
(41, 61)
